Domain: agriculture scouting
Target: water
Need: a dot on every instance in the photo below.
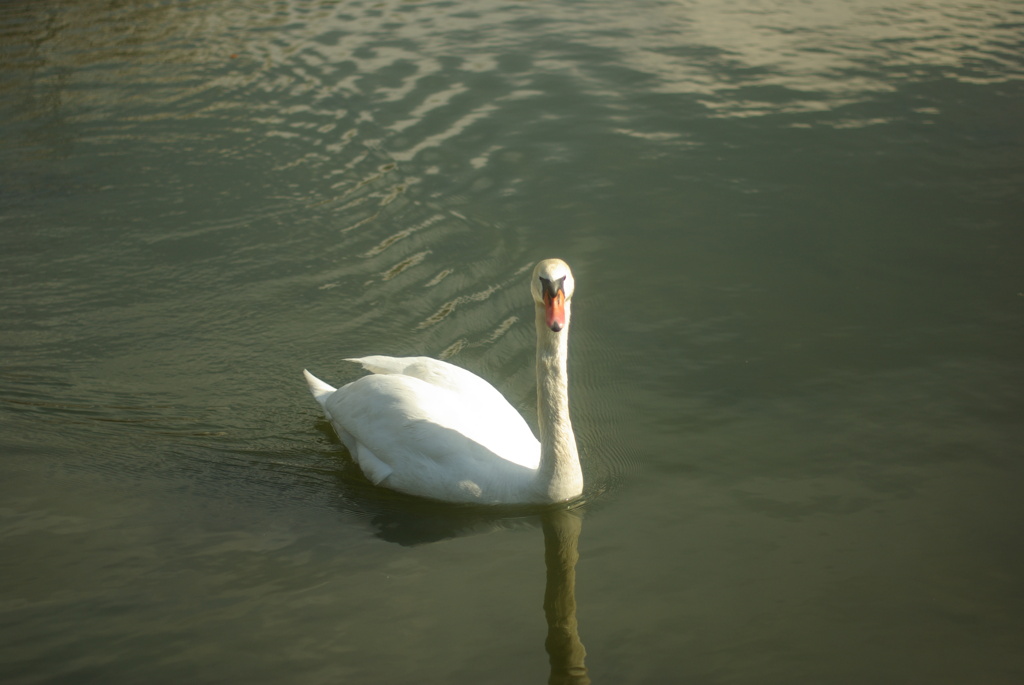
(796, 357)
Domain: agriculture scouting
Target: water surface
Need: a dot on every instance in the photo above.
(796, 355)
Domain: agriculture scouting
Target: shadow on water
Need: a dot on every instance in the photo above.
(409, 521)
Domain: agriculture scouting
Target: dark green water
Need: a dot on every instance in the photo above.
(797, 356)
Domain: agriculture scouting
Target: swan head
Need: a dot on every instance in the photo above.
(552, 288)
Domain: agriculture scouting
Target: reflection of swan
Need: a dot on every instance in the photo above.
(429, 428)
(565, 651)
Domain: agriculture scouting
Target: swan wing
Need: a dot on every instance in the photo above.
(435, 372)
(492, 420)
(426, 440)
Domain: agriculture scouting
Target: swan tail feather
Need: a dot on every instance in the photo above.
(371, 466)
(319, 389)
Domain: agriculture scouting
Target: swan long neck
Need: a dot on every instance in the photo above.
(559, 459)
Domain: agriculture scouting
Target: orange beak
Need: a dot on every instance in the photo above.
(554, 310)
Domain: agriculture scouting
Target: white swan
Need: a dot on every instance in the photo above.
(428, 428)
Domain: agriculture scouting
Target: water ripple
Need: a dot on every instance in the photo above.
(352, 171)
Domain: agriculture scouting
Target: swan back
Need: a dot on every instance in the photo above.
(429, 428)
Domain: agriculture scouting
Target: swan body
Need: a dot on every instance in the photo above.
(429, 428)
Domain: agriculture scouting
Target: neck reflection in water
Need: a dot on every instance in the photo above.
(565, 651)
(410, 521)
